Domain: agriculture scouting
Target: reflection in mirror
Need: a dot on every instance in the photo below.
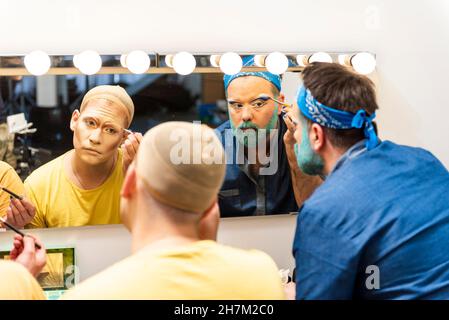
(54, 127)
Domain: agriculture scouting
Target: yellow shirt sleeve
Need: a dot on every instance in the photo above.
(10, 180)
(38, 220)
(17, 283)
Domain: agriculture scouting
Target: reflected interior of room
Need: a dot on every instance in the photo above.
(162, 92)
(37, 102)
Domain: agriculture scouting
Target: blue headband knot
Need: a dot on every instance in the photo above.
(360, 118)
(337, 119)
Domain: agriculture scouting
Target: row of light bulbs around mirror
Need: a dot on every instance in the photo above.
(89, 62)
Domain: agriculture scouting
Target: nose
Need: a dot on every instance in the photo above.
(247, 114)
(94, 137)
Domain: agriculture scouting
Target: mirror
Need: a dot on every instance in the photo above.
(48, 102)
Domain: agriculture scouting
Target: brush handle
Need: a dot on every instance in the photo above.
(17, 231)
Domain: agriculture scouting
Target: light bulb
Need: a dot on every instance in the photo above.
(137, 62)
(363, 62)
(342, 59)
(184, 63)
(259, 60)
(37, 62)
(301, 59)
(230, 63)
(320, 57)
(276, 63)
(169, 60)
(215, 60)
(76, 61)
(88, 62)
(123, 60)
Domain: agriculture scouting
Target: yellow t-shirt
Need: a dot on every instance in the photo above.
(60, 203)
(10, 180)
(202, 270)
(16, 283)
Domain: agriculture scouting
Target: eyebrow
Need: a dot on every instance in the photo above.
(261, 97)
(90, 118)
(106, 123)
(110, 123)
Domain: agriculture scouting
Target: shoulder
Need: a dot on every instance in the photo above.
(220, 131)
(8, 268)
(4, 166)
(254, 268)
(17, 282)
(45, 172)
(113, 282)
(225, 125)
(8, 174)
(247, 259)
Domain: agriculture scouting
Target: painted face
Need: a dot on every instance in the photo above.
(309, 162)
(98, 130)
(248, 112)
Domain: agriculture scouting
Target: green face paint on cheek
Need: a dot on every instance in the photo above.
(252, 141)
(273, 121)
(308, 161)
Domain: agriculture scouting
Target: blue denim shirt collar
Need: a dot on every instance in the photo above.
(356, 150)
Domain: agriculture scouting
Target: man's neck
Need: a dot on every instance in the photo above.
(330, 159)
(88, 176)
(158, 233)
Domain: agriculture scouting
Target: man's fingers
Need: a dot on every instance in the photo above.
(19, 206)
(290, 121)
(10, 216)
(14, 253)
(286, 109)
(138, 136)
(290, 126)
(21, 212)
(130, 149)
(29, 245)
(17, 243)
(29, 207)
(17, 215)
(36, 240)
(135, 145)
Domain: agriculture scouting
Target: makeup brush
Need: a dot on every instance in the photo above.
(3, 220)
(14, 195)
(283, 104)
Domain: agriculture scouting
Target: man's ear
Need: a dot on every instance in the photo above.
(130, 182)
(74, 119)
(316, 137)
(209, 221)
(281, 98)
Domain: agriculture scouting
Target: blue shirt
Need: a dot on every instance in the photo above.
(243, 194)
(387, 208)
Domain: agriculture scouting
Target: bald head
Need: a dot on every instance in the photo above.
(182, 165)
(114, 94)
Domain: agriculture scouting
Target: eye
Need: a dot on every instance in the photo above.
(111, 130)
(236, 105)
(259, 103)
(90, 123)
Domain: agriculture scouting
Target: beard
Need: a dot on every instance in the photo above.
(309, 162)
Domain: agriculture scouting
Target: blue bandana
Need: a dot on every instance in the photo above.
(248, 61)
(337, 119)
